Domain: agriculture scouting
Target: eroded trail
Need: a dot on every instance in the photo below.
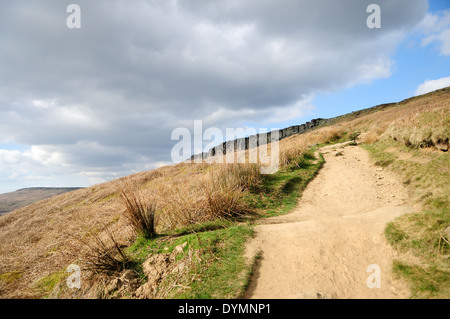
(325, 246)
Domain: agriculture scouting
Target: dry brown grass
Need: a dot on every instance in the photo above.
(140, 211)
(104, 255)
(293, 147)
(419, 122)
(46, 236)
(370, 137)
(423, 129)
(43, 238)
(216, 191)
(223, 190)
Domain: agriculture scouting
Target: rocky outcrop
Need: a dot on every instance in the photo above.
(241, 144)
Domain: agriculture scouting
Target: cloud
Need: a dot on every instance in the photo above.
(436, 29)
(105, 98)
(432, 85)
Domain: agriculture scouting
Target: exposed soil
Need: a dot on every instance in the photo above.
(324, 247)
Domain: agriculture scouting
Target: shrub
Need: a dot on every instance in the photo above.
(354, 135)
(223, 191)
(103, 257)
(292, 153)
(370, 138)
(140, 213)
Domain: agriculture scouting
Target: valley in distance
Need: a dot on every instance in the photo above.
(26, 196)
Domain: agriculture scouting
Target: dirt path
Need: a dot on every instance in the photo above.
(324, 247)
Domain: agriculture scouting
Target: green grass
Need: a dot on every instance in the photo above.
(426, 282)
(394, 235)
(10, 277)
(207, 226)
(46, 284)
(280, 192)
(218, 269)
(223, 271)
(420, 233)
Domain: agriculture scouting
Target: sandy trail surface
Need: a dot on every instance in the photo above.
(325, 247)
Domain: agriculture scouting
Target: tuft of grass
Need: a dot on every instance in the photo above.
(354, 136)
(223, 195)
(104, 256)
(371, 137)
(216, 192)
(426, 282)
(394, 235)
(140, 213)
(47, 283)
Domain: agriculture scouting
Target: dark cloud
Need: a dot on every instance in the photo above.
(109, 94)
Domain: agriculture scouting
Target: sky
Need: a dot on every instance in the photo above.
(81, 106)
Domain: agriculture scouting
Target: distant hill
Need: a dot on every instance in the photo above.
(27, 196)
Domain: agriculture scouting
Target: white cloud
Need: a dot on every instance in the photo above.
(432, 85)
(28, 168)
(444, 37)
(436, 29)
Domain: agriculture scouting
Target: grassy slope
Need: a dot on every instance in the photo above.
(38, 240)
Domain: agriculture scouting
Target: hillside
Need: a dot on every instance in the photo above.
(199, 217)
(27, 196)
